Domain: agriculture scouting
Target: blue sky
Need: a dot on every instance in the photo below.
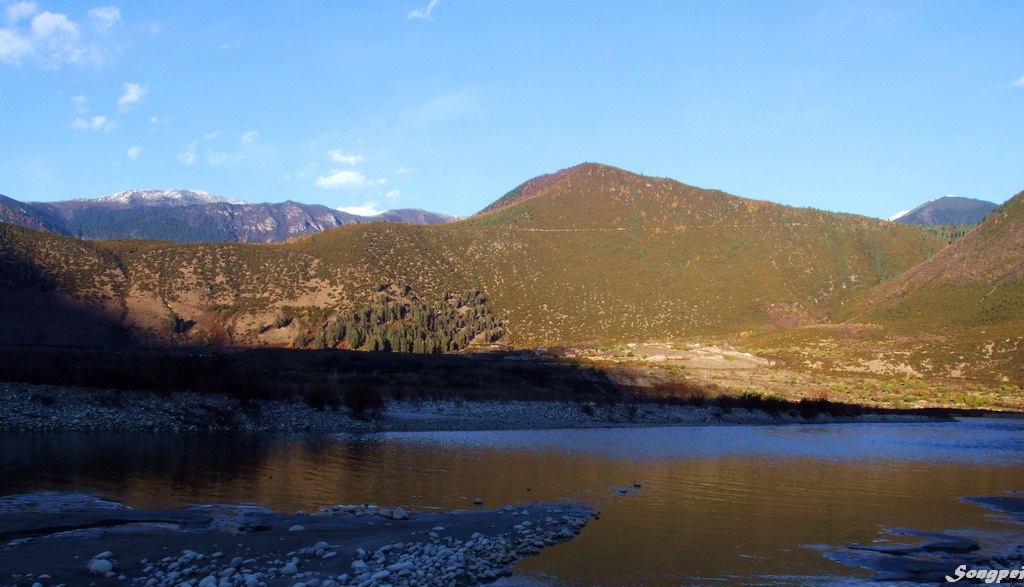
(863, 107)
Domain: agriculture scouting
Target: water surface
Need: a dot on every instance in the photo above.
(716, 504)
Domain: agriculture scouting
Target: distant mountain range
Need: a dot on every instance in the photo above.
(947, 211)
(189, 216)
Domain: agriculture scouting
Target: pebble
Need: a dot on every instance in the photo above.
(100, 566)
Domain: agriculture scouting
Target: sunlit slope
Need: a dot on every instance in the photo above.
(589, 255)
(597, 254)
(978, 280)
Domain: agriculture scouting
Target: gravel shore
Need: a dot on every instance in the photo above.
(245, 546)
(50, 408)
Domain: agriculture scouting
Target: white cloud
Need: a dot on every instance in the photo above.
(393, 195)
(132, 93)
(81, 103)
(251, 136)
(337, 156)
(424, 12)
(19, 11)
(134, 151)
(346, 179)
(105, 17)
(55, 36)
(188, 156)
(402, 170)
(13, 48)
(211, 135)
(1019, 83)
(217, 158)
(221, 158)
(51, 39)
(365, 209)
(94, 123)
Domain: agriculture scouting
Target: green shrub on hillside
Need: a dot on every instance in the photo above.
(399, 321)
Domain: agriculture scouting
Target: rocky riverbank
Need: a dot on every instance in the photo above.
(245, 546)
(51, 408)
(916, 556)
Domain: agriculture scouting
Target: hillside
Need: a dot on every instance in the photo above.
(595, 255)
(977, 280)
(952, 321)
(600, 254)
(948, 211)
(15, 212)
(189, 216)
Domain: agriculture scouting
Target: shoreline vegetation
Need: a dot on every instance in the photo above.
(201, 389)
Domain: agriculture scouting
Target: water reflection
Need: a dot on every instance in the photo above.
(741, 503)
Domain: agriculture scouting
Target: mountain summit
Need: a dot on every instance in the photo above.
(947, 211)
(160, 198)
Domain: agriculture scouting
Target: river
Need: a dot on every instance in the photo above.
(679, 505)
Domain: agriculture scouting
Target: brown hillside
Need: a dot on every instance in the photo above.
(979, 279)
(992, 254)
(589, 255)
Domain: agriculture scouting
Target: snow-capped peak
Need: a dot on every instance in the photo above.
(165, 198)
(898, 215)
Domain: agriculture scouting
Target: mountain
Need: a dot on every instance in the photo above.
(948, 211)
(593, 255)
(413, 216)
(969, 298)
(15, 212)
(977, 280)
(189, 216)
(154, 198)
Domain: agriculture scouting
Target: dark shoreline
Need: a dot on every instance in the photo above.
(251, 546)
(34, 408)
(204, 389)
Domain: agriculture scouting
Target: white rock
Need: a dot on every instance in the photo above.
(100, 566)
(290, 569)
(103, 555)
(297, 528)
(399, 514)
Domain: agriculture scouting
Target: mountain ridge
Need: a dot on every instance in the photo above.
(189, 216)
